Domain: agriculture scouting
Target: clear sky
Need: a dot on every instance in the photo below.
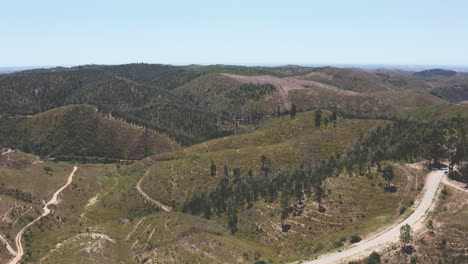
(65, 32)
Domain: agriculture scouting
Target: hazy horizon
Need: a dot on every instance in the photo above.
(243, 32)
(458, 68)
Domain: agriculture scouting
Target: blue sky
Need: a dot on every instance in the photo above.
(50, 32)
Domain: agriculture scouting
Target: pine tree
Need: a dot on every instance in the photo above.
(232, 216)
(293, 111)
(213, 169)
(318, 118)
(388, 175)
(406, 235)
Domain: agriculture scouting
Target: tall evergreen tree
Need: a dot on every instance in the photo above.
(406, 236)
(333, 117)
(388, 174)
(293, 111)
(318, 118)
(237, 175)
(213, 169)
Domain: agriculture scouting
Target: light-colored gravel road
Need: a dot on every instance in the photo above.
(391, 235)
(54, 201)
(148, 198)
(8, 247)
(8, 151)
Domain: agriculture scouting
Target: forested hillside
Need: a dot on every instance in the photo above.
(195, 103)
(79, 132)
(32, 92)
(453, 94)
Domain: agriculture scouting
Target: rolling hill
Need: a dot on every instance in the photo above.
(32, 92)
(80, 132)
(434, 73)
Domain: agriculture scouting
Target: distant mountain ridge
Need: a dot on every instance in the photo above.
(435, 72)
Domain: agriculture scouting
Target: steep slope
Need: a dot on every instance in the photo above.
(80, 131)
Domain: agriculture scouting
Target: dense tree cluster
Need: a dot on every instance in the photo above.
(249, 91)
(126, 91)
(18, 194)
(79, 132)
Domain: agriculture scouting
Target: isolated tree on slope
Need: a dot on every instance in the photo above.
(406, 236)
(293, 111)
(237, 175)
(318, 197)
(318, 118)
(333, 117)
(213, 169)
(388, 174)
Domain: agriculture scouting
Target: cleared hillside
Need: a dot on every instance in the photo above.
(365, 82)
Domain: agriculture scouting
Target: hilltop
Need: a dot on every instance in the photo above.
(434, 72)
(143, 100)
(81, 132)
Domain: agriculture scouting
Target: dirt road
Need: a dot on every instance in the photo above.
(391, 235)
(8, 151)
(54, 201)
(454, 184)
(148, 198)
(9, 248)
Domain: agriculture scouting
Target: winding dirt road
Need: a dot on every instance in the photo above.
(8, 151)
(148, 198)
(19, 254)
(391, 235)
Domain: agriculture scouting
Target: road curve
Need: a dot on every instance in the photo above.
(148, 198)
(8, 151)
(391, 235)
(53, 200)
